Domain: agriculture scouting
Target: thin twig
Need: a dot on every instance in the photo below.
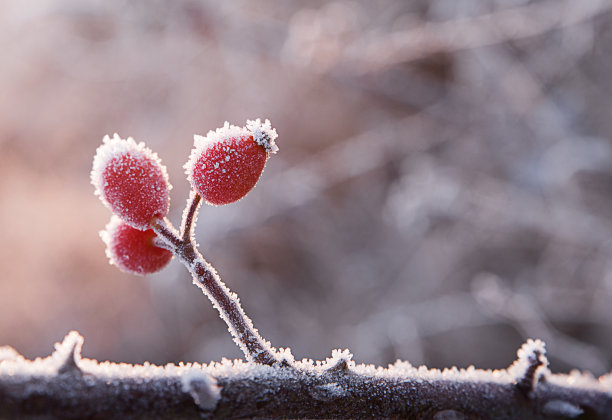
(205, 276)
(165, 231)
(191, 212)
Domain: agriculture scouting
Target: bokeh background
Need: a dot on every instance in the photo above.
(442, 192)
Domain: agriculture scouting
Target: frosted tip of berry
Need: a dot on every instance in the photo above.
(263, 134)
(131, 181)
(116, 146)
(227, 131)
(201, 143)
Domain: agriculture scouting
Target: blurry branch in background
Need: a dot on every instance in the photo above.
(489, 202)
(65, 385)
(522, 312)
(370, 52)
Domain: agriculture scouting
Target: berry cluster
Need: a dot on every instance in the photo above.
(132, 182)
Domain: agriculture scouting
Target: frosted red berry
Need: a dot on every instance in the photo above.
(226, 164)
(133, 250)
(131, 181)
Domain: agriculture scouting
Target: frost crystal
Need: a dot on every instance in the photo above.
(530, 348)
(213, 386)
(68, 353)
(531, 363)
(8, 353)
(131, 180)
(263, 134)
(202, 387)
(339, 360)
(328, 391)
(226, 164)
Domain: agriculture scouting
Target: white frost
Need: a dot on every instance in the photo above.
(263, 134)
(339, 360)
(202, 387)
(107, 235)
(581, 379)
(8, 353)
(68, 352)
(332, 390)
(202, 143)
(116, 146)
(527, 357)
(200, 381)
(195, 372)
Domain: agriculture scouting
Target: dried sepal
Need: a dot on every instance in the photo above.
(131, 180)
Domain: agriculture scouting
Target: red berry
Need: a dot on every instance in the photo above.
(131, 181)
(133, 250)
(226, 164)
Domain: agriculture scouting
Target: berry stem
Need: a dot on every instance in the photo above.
(205, 276)
(164, 229)
(193, 203)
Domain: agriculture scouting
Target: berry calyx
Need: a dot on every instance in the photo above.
(226, 164)
(133, 250)
(131, 180)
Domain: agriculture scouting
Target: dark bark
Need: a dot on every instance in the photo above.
(68, 387)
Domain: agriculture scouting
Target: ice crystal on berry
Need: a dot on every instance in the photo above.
(226, 164)
(131, 180)
(263, 134)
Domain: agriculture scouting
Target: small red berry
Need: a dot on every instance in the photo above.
(133, 250)
(226, 164)
(131, 180)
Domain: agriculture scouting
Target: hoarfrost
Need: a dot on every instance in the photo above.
(263, 134)
(530, 365)
(201, 143)
(67, 354)
(116, 146)
(131, 181)
(202, 387)
(105, 235)
(284, 355)
(65, 358)
(339, 360)
(327, 391)
(204, 383)
(8, 353)
(580, 379)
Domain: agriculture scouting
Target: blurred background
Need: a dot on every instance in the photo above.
(443, 189)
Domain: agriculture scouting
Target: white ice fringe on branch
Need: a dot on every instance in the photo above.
(65, 385)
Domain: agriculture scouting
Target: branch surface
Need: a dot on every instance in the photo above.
(65, 385)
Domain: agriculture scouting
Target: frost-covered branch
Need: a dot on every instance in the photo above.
(65, 385)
